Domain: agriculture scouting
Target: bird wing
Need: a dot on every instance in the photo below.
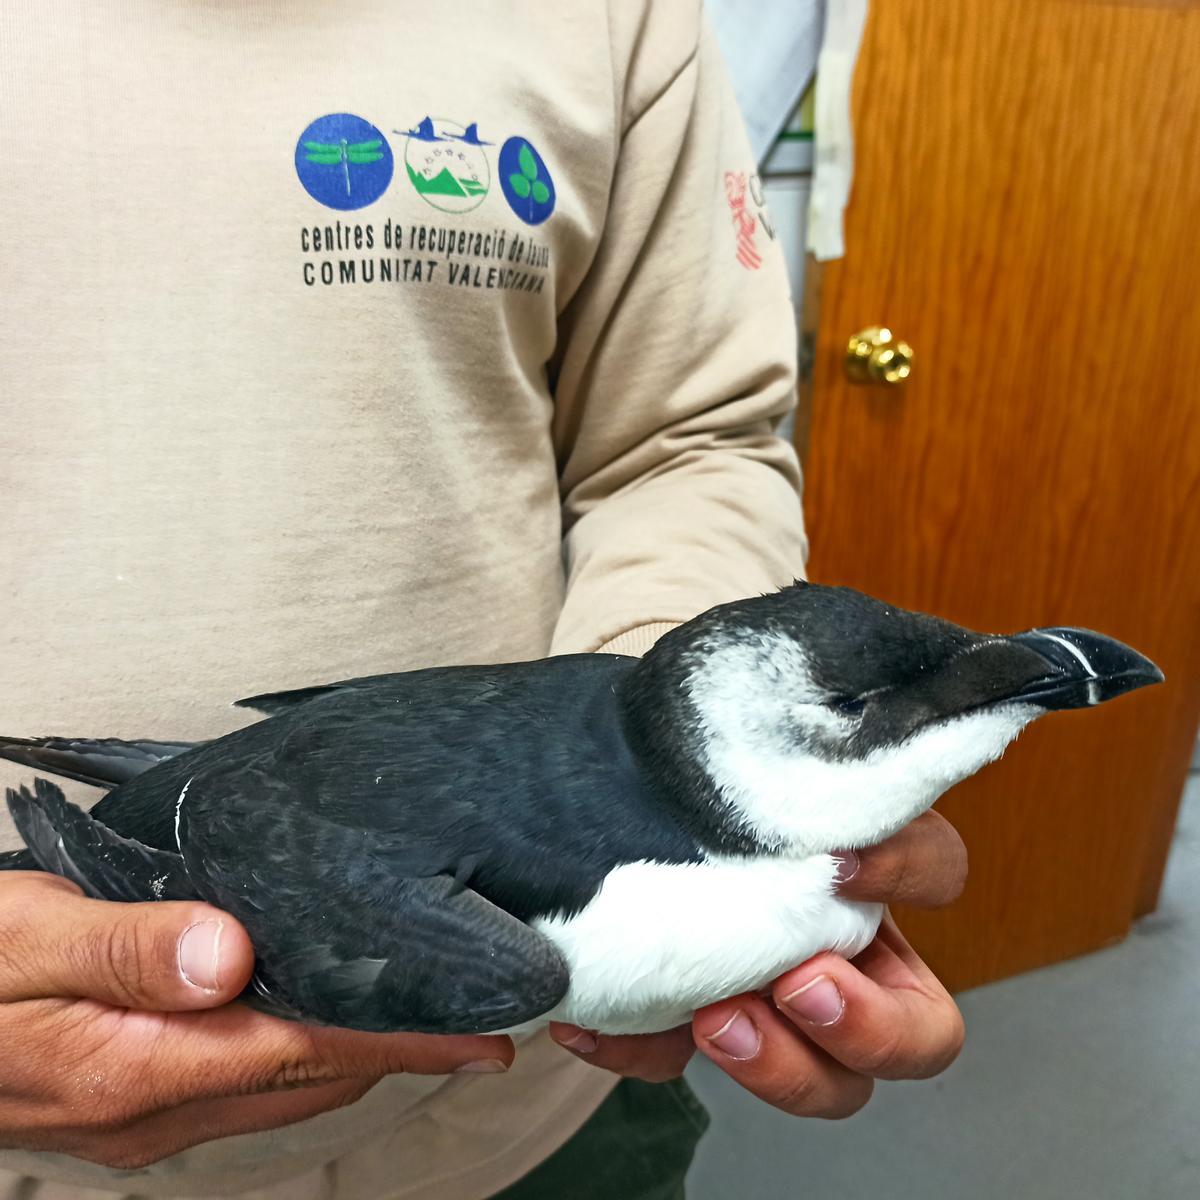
(516, 780)
(385, 840)
(341, 937)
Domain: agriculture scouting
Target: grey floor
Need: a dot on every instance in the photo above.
(1080, 1080)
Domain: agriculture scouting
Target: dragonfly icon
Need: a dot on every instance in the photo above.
(344, 153)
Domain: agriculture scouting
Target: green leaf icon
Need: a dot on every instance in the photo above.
(541, 193)
(520, 185)
(528, 164)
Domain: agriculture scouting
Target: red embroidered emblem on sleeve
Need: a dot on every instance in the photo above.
(744, 223)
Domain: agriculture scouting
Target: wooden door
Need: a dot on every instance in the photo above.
(1026, 213)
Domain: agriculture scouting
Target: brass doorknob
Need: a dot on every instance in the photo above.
(876, 355)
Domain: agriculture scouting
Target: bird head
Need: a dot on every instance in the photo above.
(818, 718)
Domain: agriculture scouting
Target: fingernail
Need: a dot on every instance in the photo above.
(818, 1002)
(581, 1042)
(738, 1037)
(199, 948)
(485, 1066)
(847, 865)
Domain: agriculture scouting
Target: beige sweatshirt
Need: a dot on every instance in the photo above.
(356, 336)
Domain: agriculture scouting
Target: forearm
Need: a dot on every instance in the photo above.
(717, 524)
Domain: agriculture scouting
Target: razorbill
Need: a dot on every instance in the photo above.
(603, 840)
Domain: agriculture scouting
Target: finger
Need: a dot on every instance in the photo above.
(924, 865)
(236, 1051)
(159, 1136)
(164, 957)
(762, 1051)
(903, 959)
(120, 1067)
(654, 1057)
(892, 962)
(906, 1027)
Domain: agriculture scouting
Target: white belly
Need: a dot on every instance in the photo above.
(660, 941)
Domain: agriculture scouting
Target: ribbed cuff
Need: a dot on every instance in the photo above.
(638, 640)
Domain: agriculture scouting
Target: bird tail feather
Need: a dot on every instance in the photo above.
(65, 840)
(102, 762)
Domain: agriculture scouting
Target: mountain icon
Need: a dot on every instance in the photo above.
(444, 184)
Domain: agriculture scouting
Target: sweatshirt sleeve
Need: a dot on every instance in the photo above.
(675, 362)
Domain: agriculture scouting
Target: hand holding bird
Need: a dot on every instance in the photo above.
(122, 1046)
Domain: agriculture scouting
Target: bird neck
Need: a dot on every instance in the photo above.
(663, 729)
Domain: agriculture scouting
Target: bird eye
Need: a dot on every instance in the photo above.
(849, 706)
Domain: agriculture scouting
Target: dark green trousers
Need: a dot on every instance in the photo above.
(637, 1145)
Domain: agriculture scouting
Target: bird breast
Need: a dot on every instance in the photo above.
(660, 940)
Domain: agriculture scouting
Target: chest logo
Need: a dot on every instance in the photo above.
(343, 161)
(525, 181)
(446, 164)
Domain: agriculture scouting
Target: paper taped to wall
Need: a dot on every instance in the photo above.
(833, 170)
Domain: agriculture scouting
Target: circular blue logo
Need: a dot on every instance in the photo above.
(343, 161)
(525, 181)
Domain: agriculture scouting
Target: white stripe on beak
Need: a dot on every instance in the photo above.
(1093, 687)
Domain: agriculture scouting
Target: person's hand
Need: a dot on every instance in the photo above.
(830, 1027)
(106, 1054)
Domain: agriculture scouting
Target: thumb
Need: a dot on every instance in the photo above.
(168, 956)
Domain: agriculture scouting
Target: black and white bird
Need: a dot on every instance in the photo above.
(597, 839)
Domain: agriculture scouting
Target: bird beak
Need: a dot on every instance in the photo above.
(1082, 668)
